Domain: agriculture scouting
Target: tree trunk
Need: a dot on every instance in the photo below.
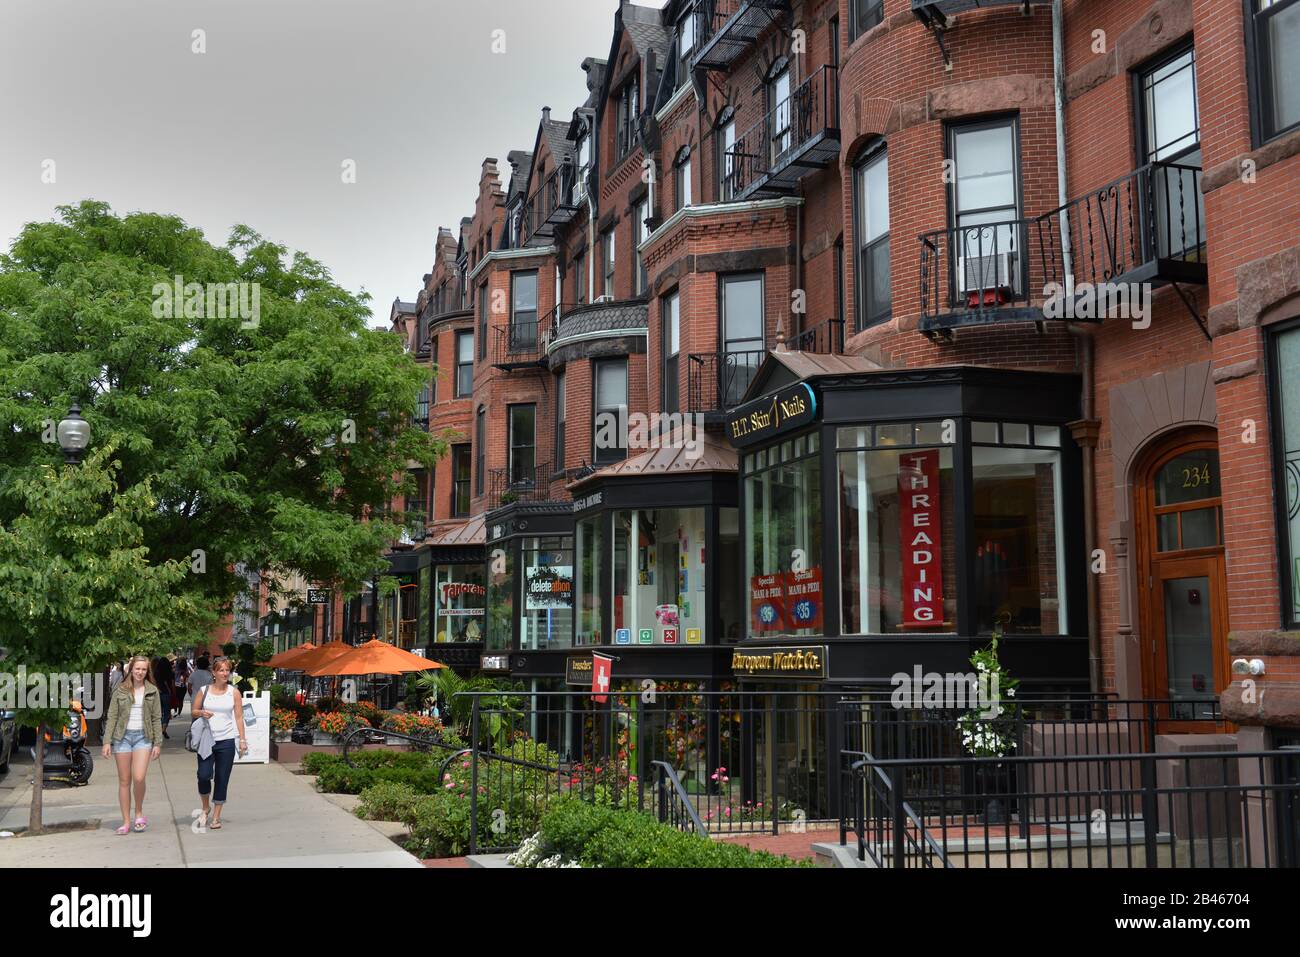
(34, 825)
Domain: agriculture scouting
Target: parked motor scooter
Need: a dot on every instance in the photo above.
(67, 756)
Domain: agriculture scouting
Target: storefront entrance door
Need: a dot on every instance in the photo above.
(1182, 582)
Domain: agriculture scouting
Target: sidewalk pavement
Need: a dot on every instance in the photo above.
(273, 818)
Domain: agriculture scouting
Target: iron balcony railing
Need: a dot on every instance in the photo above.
(717, 381)
(552, 204)
(826, 338)
(725, 29)
(1148, 226)
(520, 344)
(798, 134)
(520, 483)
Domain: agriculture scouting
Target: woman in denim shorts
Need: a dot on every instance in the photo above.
(133, 733)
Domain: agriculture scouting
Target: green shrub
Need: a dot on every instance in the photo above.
(388, 801)
(440, 827)
(342, 779)
(604, 837)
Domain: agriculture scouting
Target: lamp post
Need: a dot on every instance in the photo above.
(74, 435)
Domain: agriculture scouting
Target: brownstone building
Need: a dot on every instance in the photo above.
(990, 312)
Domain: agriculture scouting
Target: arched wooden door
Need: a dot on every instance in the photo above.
(1181, 579)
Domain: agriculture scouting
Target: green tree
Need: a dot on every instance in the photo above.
(77, 584)
(277, 439)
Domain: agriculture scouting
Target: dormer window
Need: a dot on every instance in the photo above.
(629, 108)
(685, 40)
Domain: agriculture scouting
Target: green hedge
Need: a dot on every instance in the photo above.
(603, 837)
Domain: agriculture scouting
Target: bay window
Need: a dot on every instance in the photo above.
(783, 532)
(464, 364)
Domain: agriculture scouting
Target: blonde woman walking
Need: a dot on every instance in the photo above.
(133, 733)
(223, 708)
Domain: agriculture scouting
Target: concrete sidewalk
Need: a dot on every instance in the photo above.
(273, 818)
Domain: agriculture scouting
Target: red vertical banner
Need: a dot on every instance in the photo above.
(602, 670)
(804, 598)
(919, 529)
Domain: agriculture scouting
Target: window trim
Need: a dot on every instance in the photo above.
(462, 364)
(1142, 148)
(1257, 63)
(951, 130)
(1288, 617)
(875, 153)
(599, 457)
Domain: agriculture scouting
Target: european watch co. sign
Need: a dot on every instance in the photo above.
(770, 416)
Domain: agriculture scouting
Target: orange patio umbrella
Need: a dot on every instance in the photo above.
(319, 656)
(375, 657)
(285, 659)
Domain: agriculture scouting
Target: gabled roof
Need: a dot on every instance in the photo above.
(782, 368)
(649, 38)
(709, 455)
(469, 532)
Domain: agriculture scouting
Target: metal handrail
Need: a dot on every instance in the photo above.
(668, 774)
(807, 111)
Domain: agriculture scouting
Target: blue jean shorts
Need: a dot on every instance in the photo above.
(132, 741)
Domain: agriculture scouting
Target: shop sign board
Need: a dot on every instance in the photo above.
(787, 661)
(920, 538)
(549, 586)
(771, 416)
(579, 671)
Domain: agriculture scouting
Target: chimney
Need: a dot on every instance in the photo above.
(546, 114)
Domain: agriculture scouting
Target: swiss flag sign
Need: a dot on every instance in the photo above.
(601, 670)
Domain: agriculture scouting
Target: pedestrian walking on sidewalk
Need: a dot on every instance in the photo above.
(133, 734)
(181, 683)
(162, 672)
(223, 708)
(200, 677)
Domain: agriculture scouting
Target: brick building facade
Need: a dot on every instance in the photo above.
(899, 209)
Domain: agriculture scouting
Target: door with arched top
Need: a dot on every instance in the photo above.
(1181, 579)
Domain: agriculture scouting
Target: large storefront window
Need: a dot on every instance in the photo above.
(898, 537)
(1019, 557)
(459, 603)
(1286, 385)
(500, 598)
(783, 544)
(659, 572)
(547, 619)
(590, 544)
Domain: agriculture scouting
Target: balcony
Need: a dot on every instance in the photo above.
(519, 484)
(581, 321)
(724, 29)
(520, 345)
(717, 381)
(551, 205)
(1147, 227)
(800, 134)
(938, 11)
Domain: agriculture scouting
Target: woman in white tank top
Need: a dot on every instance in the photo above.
(223, 707)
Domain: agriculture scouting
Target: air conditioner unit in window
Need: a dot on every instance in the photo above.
(976, 274)
(580, 190)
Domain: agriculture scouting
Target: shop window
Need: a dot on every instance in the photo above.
(1019, 556)
(460, 597)
(547, 617)
(898, 536)
(660, 593)
(1273, 32)
(872, 197)
(783, 544)
(1286, 398)
(590, 534)
(501, 602)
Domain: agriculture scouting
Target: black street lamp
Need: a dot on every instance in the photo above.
(74, 435)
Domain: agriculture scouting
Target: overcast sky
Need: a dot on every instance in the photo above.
(256, 129)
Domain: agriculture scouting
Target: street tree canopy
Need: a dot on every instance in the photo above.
(276, 439)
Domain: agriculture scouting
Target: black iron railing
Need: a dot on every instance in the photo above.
(520, 484)
(520, 343)
(797, 134)
(716, 381)
(1148, 226)
(550, 205)
(675, 806)
(725, 28)
(826, 338)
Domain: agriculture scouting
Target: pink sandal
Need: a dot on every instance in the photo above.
(124, 829)
(141, 823)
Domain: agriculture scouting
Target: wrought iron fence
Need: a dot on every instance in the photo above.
(826, 338)
(716, 381)
(520, 484)
(782, 136)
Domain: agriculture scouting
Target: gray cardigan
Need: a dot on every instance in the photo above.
(201, 737)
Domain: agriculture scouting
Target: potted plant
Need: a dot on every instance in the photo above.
(283, 721)
(988, 731)
(416, 725)
(330, 725)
